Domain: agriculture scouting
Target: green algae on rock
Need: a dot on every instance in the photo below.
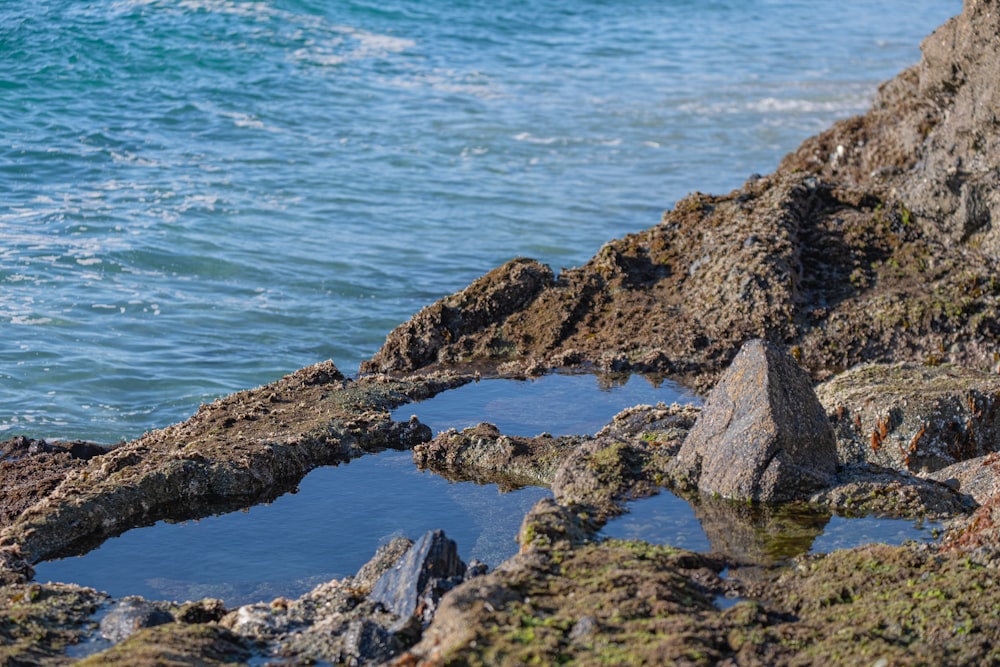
(39, 621)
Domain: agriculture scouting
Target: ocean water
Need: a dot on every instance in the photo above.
(199, 196)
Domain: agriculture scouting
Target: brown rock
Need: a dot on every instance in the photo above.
(441, 329)
(763, 434)
(914, 418)
(977, 478)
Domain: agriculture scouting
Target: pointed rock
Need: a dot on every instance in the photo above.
(762, 435)
(417, 580)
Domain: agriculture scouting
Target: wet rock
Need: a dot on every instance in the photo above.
(14, 567)
(867, 489)
(205, 645)
(131, 614)
(660, 426)
(257, 621)
(910, 417)
(414, 585)
(762, 435)
(386, 556)
(368, 643)
(604, 472)
(483, 454)
(39, 621)
(553, 527)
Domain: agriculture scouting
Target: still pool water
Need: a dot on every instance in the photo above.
(339, 515)
(760, 537)
(327, 530)
(558, 404)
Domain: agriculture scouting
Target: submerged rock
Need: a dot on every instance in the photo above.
(762, 435)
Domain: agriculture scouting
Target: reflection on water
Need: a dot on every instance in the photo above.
(326, 530)
(340, 515)
(559, 404)
(756, 535)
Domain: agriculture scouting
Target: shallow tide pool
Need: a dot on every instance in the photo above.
(339, 515)
(327, 530)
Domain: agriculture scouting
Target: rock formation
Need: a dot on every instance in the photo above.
(762, 435)
(874, 242)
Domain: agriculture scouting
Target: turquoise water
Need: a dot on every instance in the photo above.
(199, 196)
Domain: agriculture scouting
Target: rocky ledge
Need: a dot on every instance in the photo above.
(840, 314)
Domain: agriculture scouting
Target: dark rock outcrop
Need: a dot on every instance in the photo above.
(414, 585)
(762, 435)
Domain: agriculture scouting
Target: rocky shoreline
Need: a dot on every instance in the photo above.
(843, 313)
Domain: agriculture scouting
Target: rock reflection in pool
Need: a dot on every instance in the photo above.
(661, 519)
(327, 530)
(559, 403)
(756, 535)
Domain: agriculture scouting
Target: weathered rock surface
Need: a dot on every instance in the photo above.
(917, 418)
(39, 621)
(865, 489)
(762, 434)
(441, 332)
(30, 469)
(485, 455)
(977, 478)
(201, 645)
